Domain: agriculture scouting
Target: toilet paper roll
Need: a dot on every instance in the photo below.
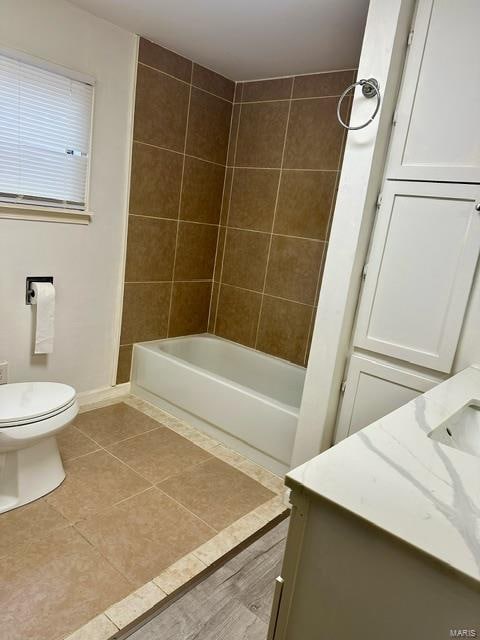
(44, 299)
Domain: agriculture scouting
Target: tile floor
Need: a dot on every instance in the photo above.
(147, 504)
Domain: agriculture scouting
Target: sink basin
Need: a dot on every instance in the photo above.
(462, 430)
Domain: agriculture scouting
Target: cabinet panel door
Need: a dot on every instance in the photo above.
(437, 132)
(373, 389)
(422, 261)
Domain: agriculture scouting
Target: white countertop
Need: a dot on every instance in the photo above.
(395, 476)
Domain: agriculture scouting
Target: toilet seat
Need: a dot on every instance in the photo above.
(25, 403)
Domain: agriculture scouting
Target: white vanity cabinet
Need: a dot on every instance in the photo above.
(437, 117)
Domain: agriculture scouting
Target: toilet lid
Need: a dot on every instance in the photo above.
(25, 402)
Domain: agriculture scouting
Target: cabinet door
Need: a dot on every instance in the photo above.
(373, 389)
(422, 261)
(437, 132)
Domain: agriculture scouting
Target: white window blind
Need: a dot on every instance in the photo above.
(45, 122)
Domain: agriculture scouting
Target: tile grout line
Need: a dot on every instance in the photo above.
(268, 295)
(274, 215)
(220, 281)
(179, 153)
(169, 319)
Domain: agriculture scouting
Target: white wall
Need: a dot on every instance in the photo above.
(86, 261)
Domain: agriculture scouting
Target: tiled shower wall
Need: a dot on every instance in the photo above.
(180, 140)
(263, 243)
(284, 158)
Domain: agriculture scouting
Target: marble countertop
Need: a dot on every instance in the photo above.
(395, 476)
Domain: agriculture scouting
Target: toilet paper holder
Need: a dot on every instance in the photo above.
(29, 293)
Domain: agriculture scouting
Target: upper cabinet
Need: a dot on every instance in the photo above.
(419, 272)
(437, 133)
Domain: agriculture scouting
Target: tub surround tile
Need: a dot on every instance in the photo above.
(208, 126)
(283, 329)
(232, 141)
(262, 90)
(190, 308)
(124, 363)
(304, 203)
(196, 247)
(136, 604)
(206, 490)
(219, 255)
(93, 483)
(213, 82)
(261, 134)
(237, 315)
(72, 584)
(316, 85)
(158, 454)
(293, 268)
(202, 191)
(99, 628)
(150, 249)
(145, 311)
(179, 573)
(158, 93)
(213, 307)
(72, 443)
(145, 534)
(114, 423)
(155, 181)
(226, 196)
(245, 259)
(164, 60)
(252, 203)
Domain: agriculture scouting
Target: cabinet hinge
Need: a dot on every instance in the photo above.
(410, 38)
(343, 386)
(364, 270)
(395, 116)
(379, 200)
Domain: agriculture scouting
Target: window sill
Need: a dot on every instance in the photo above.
(43, 214)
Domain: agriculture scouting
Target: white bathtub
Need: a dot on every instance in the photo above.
(244, 398)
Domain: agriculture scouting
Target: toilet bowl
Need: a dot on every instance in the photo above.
(31, 413)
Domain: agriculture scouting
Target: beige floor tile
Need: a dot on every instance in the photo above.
(55, 585)
(158, 454)
(114, 423)
(135, 605)
(264, 476)
(100, 628)
(216, 492)
(145, 534)
(21, 525)
(179, 573)
(73, 443)
(94, 482)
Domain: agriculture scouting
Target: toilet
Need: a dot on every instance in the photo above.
(31, 413)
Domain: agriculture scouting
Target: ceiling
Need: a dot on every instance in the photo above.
(247, 39)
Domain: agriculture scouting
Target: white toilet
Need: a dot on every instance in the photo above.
(31, 413)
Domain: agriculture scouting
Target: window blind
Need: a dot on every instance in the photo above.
(45, 122)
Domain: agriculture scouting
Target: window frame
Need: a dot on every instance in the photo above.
(49, 212)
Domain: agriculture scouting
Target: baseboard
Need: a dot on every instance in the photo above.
(106, 393)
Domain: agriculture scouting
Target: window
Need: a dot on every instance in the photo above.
(45, 128)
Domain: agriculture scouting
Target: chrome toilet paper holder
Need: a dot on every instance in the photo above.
(29, 293)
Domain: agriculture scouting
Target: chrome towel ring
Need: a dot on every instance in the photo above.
(370, 89)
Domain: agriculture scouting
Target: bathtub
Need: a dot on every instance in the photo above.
(243, 398)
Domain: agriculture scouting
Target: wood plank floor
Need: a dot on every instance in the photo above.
(233, 603)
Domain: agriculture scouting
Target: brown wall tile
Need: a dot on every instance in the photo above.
(213, 82)
(190, 308)
(219, 256)
(293, 268)
(208, 126)
(160, 94)
(245, 259)
(165, 60)
(238, 92)
(322, 84)
(124, 363)
(155, 181)
(254, 194)
(196, 247)
(276, 89)
(315, 137)
(283, 329)
(145, 312)
(150, 249)
(213, 307)
(237, 317)
(202, 191)
(226, 196)
(261, 134)
(304, 203)
(232, 140)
